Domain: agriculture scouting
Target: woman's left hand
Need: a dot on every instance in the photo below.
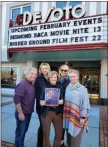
(42, 102)
(60, 102)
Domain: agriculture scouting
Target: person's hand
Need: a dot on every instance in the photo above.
(21, 116)
(42, 102)
(82, 121)
(60, 102)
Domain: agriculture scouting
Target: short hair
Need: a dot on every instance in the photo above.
(51, 73)
(46, 64)
(32, 68)
(74, 71)
(64, 66)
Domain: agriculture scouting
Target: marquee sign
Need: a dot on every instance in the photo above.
(68, 32)
(67, 12)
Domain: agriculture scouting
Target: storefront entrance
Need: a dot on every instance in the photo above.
(89, 75)
(90, 78)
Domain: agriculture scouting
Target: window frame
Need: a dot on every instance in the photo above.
(66, 2)
(17, 70)
(21, 8)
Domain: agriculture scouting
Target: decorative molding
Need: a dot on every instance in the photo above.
(107, 8)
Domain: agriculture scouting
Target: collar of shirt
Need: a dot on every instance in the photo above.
(28, 81)
(74, 86)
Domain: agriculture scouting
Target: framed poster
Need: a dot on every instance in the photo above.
(52, 96)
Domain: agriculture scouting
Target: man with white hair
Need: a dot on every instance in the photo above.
(24, 100)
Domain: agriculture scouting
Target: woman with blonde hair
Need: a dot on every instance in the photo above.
(76, 107)
(51, 99)
(64, 81)
(40, 82)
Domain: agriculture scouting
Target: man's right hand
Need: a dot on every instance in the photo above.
(21, 116)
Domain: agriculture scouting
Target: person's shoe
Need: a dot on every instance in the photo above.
(39, 144)
(63, 145)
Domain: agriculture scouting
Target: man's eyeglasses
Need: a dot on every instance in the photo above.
(64, 70)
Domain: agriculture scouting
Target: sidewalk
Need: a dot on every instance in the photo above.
(90, 139)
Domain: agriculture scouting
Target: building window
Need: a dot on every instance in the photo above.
(61, 4)
(28, 8)
(15, 12)
(8, 77)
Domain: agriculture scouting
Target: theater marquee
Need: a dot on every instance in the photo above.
(70, 32)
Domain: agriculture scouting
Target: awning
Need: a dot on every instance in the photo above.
(74, 55)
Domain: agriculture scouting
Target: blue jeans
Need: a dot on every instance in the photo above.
(21, 129)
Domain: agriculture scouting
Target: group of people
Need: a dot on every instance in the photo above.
(68, 113)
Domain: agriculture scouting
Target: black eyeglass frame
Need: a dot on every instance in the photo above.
(64, 70)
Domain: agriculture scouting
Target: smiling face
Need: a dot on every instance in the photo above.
(53, 79)
(31, 75)
(44, 70)
(74, 78)
(64, 70)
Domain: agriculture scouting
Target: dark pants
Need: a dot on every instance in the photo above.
(21, 129)
(46, 123)
(63, 134)
(40, 134)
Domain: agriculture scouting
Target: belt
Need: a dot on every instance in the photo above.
(52, 109)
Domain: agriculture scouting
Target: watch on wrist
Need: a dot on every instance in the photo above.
(83, 117)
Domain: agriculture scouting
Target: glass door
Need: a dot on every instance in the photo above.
(90, 78)
(91, 82)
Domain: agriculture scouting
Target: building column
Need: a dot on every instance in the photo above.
(104, 79)
(35, 64)
(29, 64)
(0, 24)
(18, 73)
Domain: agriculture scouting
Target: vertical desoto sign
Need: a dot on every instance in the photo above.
(67, 12)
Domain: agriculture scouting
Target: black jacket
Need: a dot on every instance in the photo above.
(57, 109)
(39, 83)
(64, 82)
